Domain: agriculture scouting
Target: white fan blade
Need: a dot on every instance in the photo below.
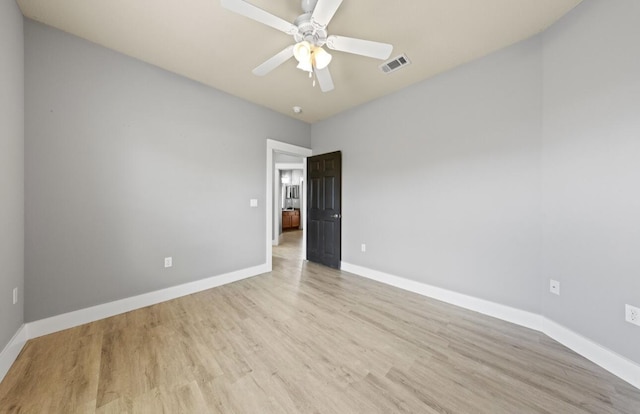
(273, 62)
(360, 47)
(253, 12)
(324, 11)
(324, 79)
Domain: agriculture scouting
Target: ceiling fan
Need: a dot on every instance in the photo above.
(309, 31)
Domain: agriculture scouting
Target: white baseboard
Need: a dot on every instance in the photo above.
(504, 312)
(618, 365)
(12, 350)
(278, 240)
(105, 310)
(71, 319)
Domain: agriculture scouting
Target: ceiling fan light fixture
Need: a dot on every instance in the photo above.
(321, 58)
(302, 51)
(306, 66)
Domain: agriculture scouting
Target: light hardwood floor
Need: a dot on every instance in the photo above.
(306, 339)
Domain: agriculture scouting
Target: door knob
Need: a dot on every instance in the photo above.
(335, 215)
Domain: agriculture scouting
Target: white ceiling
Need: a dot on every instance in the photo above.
(204, 42)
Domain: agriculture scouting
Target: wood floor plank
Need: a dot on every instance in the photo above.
(307, 339)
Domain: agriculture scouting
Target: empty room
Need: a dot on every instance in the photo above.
(320, 206)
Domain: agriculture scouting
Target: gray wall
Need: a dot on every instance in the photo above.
(441, 180)
(495, 177)
(11, 169)
(591, 171)
(126, 164)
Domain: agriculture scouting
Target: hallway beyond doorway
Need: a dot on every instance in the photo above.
(289, 249)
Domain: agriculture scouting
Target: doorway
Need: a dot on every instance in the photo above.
(277, 147)
(289, 253)
(289, 192)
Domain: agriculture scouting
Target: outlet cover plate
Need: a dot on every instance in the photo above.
(168, 262)
(632, 314)
(554, 287)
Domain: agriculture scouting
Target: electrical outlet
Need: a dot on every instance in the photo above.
(632, 314)
(554, 287)
(168, 262)
(363, 248)
(15, 295)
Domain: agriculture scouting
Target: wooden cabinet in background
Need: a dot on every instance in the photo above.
(286, 220)
(290, 219)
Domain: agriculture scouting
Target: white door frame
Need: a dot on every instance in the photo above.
(274, 146)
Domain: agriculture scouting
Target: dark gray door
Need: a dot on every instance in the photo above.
(324, 212)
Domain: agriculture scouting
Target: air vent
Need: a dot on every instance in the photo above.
(395, 64)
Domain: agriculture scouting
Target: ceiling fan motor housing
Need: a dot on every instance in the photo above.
(309, 31)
